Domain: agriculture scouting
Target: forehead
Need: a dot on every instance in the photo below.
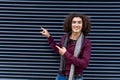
(77, 19)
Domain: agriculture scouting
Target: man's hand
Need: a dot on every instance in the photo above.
(61, 50)
(45, 32)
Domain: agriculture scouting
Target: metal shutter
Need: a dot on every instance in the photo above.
(25, 54)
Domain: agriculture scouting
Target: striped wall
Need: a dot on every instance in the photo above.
(25, 54)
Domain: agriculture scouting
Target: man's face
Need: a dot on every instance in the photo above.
(77, 25)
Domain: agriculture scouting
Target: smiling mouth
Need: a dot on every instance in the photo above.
(76, 28)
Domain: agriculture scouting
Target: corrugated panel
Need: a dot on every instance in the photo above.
(25, 54)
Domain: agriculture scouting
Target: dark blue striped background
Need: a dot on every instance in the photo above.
(25, 54)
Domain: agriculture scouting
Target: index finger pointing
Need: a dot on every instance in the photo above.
(58, 47)
(42, 28)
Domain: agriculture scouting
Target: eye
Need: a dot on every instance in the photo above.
(79, 22)
(73, 22)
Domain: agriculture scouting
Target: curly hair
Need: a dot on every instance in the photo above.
(68, 23)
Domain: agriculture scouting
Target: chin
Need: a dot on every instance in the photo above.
(76, 31)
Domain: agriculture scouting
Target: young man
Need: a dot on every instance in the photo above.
(76, 26)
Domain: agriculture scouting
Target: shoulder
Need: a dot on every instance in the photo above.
(86, 41)
(64, 36)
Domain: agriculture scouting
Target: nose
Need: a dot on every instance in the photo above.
(76, 24)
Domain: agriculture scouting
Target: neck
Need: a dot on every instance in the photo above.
(75, 36)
